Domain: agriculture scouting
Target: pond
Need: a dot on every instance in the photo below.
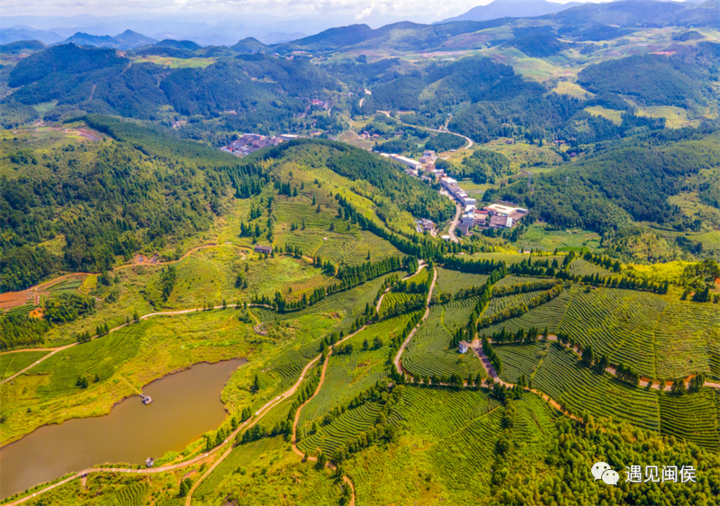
(185, 405)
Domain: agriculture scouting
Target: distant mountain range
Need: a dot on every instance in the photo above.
(126, 40)
(17, 33)
(511, 9)
(589, 21)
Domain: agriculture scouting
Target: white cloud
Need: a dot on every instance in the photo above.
(417, 10)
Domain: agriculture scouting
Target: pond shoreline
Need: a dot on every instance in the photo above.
(4, 444)
(186, 404)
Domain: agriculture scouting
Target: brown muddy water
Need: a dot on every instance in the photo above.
(185, 405)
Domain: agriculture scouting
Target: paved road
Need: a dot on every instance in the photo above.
(453, 225)
(467, 139)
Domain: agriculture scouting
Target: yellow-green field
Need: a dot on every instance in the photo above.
(176, 62)
(609, 114)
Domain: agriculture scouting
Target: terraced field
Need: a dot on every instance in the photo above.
(498, 304)
(441, 412)
(391, 299)
(619, 323)
(348, 375)
(687, 340)
(579, 389)
(68, 286)
(101, 356)
(132, 495)
(691, 417)
(343, 429)
(519, 359)
(288, 366)
(457, 313)
(379, 248)
(261, 472)
(20, 310)
(468, 451)
(345, 303)
(428, 352)
(548, 315)
(535, 425)
(449, 281)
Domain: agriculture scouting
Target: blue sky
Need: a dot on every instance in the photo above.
(416, 10)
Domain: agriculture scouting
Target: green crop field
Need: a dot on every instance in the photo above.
(548, 315)
(537, 236)
(687, 340)
(619, 323)
(579, 389)
(10, 363)
(519, 359)
(428, 352)
(692, 417)
(582, 267)
(351, 374)
(498, 304)
(449, 281)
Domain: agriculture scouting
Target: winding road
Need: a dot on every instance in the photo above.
(226, 444)
(467, 139)
(421, 265)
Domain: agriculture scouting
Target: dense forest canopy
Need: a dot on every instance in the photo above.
(114, 197)
(633, 180)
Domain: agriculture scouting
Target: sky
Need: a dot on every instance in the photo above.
(361, 11)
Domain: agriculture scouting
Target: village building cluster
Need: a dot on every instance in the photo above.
(249, 143)
(494, 216)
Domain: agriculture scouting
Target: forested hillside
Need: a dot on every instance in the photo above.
(630, 181)
(141, 189)
(110, 198)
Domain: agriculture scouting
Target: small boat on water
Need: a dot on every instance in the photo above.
(150, 462)
(146, 399)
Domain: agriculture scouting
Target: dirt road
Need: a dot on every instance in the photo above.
(397, 361)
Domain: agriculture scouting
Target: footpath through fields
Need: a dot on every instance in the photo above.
(200, 458)
(61, 348)
(398, 356)
(16, 299)
(421, 265)
(295, 422)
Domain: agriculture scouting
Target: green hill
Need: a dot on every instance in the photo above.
(22, 46)
(653, 79)
(250, 45)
